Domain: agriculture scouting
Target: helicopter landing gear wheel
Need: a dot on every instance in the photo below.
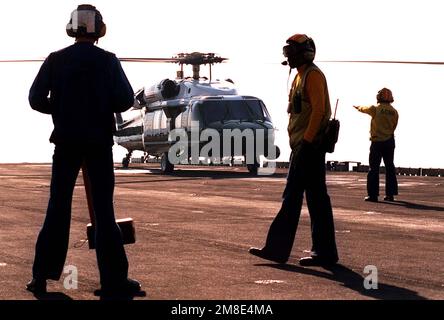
(165, 165)
(126, 160)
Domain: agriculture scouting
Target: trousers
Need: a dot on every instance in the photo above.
(382, 150)
(53, 239)
(306, 175)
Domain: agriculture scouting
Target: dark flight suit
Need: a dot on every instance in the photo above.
(81, 86)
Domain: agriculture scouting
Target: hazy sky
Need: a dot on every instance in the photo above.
(251, 34)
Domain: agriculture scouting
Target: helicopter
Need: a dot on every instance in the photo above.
(210, 118)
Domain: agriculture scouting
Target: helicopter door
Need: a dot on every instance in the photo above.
(155, 132)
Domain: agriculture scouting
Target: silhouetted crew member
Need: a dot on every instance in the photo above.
(81, 87)
(309, 109)
(382, 136)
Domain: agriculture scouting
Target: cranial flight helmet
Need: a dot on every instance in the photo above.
(86, 21)
(300, 49)
(384, 95)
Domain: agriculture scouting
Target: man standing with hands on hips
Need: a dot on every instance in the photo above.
(309, 110)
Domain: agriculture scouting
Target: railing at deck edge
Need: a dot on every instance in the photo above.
(337, 166)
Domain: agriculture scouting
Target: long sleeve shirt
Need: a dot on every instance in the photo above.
(384, 120)
(81, 87)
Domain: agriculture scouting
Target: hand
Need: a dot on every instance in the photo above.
(302, 152)
(306, 143)
(306, 147)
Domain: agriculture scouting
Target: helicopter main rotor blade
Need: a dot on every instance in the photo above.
(24, 60)
(121, 59)
(149, 59)
(181, 59)
(194, 58)
(386, 61)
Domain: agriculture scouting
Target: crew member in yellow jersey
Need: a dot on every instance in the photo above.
(309, 111)
(382, 135)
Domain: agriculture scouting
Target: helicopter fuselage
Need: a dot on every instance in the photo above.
(206, 118)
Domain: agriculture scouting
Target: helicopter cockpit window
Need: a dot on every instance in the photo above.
(226, 110)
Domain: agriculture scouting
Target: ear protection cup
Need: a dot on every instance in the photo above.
(309, 49)
(309, 55)
(102, 31)
(87, 21)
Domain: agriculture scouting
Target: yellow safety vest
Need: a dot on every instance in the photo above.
(300, 109)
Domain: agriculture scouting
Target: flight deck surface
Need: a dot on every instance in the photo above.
(194, 229)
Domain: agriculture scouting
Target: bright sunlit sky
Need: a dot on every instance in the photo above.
(251, 34)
